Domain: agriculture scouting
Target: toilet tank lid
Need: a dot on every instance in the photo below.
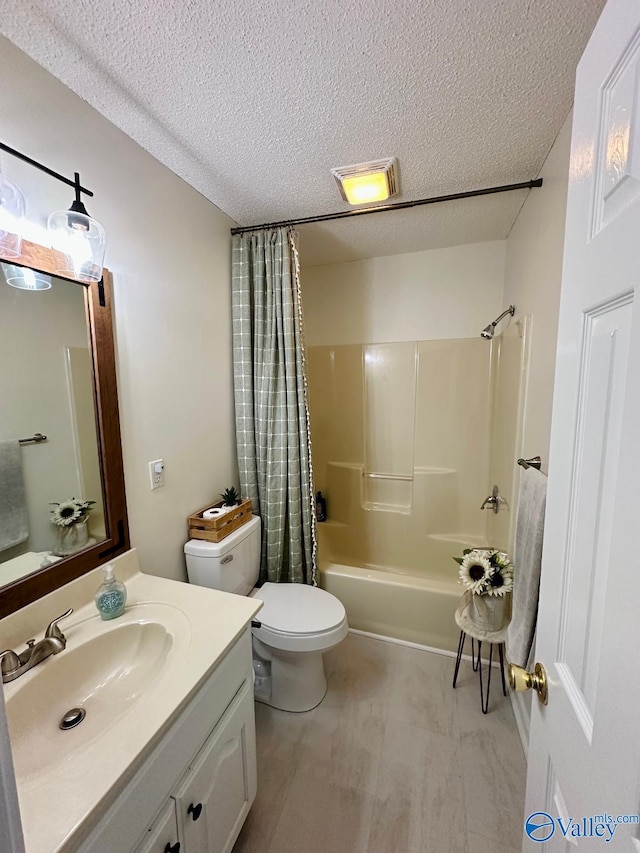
(202, 548)
(297, 608)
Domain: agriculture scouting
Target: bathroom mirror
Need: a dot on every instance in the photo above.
(63, 508)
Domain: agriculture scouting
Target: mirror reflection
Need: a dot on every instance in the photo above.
(51, 495)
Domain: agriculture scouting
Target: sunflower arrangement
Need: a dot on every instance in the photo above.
(70, 512)
(484, 571)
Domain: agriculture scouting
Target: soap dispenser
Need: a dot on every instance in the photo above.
(111, 596)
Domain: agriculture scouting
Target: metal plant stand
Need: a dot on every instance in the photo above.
(471, 624)
(476, 663)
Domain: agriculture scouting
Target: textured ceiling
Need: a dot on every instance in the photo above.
(252, 103)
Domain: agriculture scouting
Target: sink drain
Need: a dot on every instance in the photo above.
(72, 718)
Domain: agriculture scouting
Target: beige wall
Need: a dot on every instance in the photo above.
(436, 294)
(169, 251)
(532, 282)
(525, 351)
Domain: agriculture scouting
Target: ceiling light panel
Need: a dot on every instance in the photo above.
(363, 183)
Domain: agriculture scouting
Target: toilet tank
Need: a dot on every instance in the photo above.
(232, 565)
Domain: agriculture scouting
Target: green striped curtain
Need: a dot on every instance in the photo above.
(272, 416)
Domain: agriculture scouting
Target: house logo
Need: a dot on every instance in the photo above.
(540, 826)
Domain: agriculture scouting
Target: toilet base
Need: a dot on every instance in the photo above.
(298, 682)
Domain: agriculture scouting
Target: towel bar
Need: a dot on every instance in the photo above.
(36, 438)
(534, 462)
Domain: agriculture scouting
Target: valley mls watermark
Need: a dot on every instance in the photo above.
(540, 826)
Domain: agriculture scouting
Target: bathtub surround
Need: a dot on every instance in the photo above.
(386, 547)
(401, 446)
(272, 418)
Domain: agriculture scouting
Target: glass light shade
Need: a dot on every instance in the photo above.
(11, 218)
(78, 244)
(26, 279)
(360, 189)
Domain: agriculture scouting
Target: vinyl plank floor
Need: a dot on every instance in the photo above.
(394, 760)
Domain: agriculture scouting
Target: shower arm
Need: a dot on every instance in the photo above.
(510, 310)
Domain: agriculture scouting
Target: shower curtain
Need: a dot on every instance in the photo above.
(272, 415)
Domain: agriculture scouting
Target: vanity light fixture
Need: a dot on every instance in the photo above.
(78, 241)
(11, 218)
(367, 182)
(24, 278)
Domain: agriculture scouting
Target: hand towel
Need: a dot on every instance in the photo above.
(527, 560)
(14, 524)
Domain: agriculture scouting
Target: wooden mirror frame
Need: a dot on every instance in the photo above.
(97, 297)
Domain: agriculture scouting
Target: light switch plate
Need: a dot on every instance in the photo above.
(156, 473)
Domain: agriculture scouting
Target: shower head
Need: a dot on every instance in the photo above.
(488, 332)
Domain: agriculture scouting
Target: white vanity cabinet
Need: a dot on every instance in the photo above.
(215, 796)
(162, 837)
(194, 790)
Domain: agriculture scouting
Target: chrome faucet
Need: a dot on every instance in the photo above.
(13, 665)
(495, 500)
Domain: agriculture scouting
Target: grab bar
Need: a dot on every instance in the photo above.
(402, 477)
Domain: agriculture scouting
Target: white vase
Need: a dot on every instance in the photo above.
(487, 612)
(70, 539)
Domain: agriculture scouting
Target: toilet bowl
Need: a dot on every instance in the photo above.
(296, 625)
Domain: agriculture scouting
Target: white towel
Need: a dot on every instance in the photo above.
(527, 560)
(14, 523)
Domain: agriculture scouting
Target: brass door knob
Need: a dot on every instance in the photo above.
(520, 679)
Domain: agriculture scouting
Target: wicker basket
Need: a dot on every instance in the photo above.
(215, 529)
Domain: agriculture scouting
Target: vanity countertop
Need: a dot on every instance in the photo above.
(67, 778)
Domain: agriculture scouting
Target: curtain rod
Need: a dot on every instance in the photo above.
(401, 205)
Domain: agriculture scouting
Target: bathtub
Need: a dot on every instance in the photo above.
(415, 609)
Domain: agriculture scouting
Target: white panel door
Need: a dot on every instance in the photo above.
(584, 754)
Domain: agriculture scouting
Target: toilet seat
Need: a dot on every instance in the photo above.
(299, 617)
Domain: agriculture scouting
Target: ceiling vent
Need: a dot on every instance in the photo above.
(368, 182)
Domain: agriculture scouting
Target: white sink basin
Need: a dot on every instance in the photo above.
(107, 669)
(133, 675)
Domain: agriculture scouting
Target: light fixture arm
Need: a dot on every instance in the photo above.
(75, 183)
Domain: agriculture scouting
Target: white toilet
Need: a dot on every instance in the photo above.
(296, 625)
